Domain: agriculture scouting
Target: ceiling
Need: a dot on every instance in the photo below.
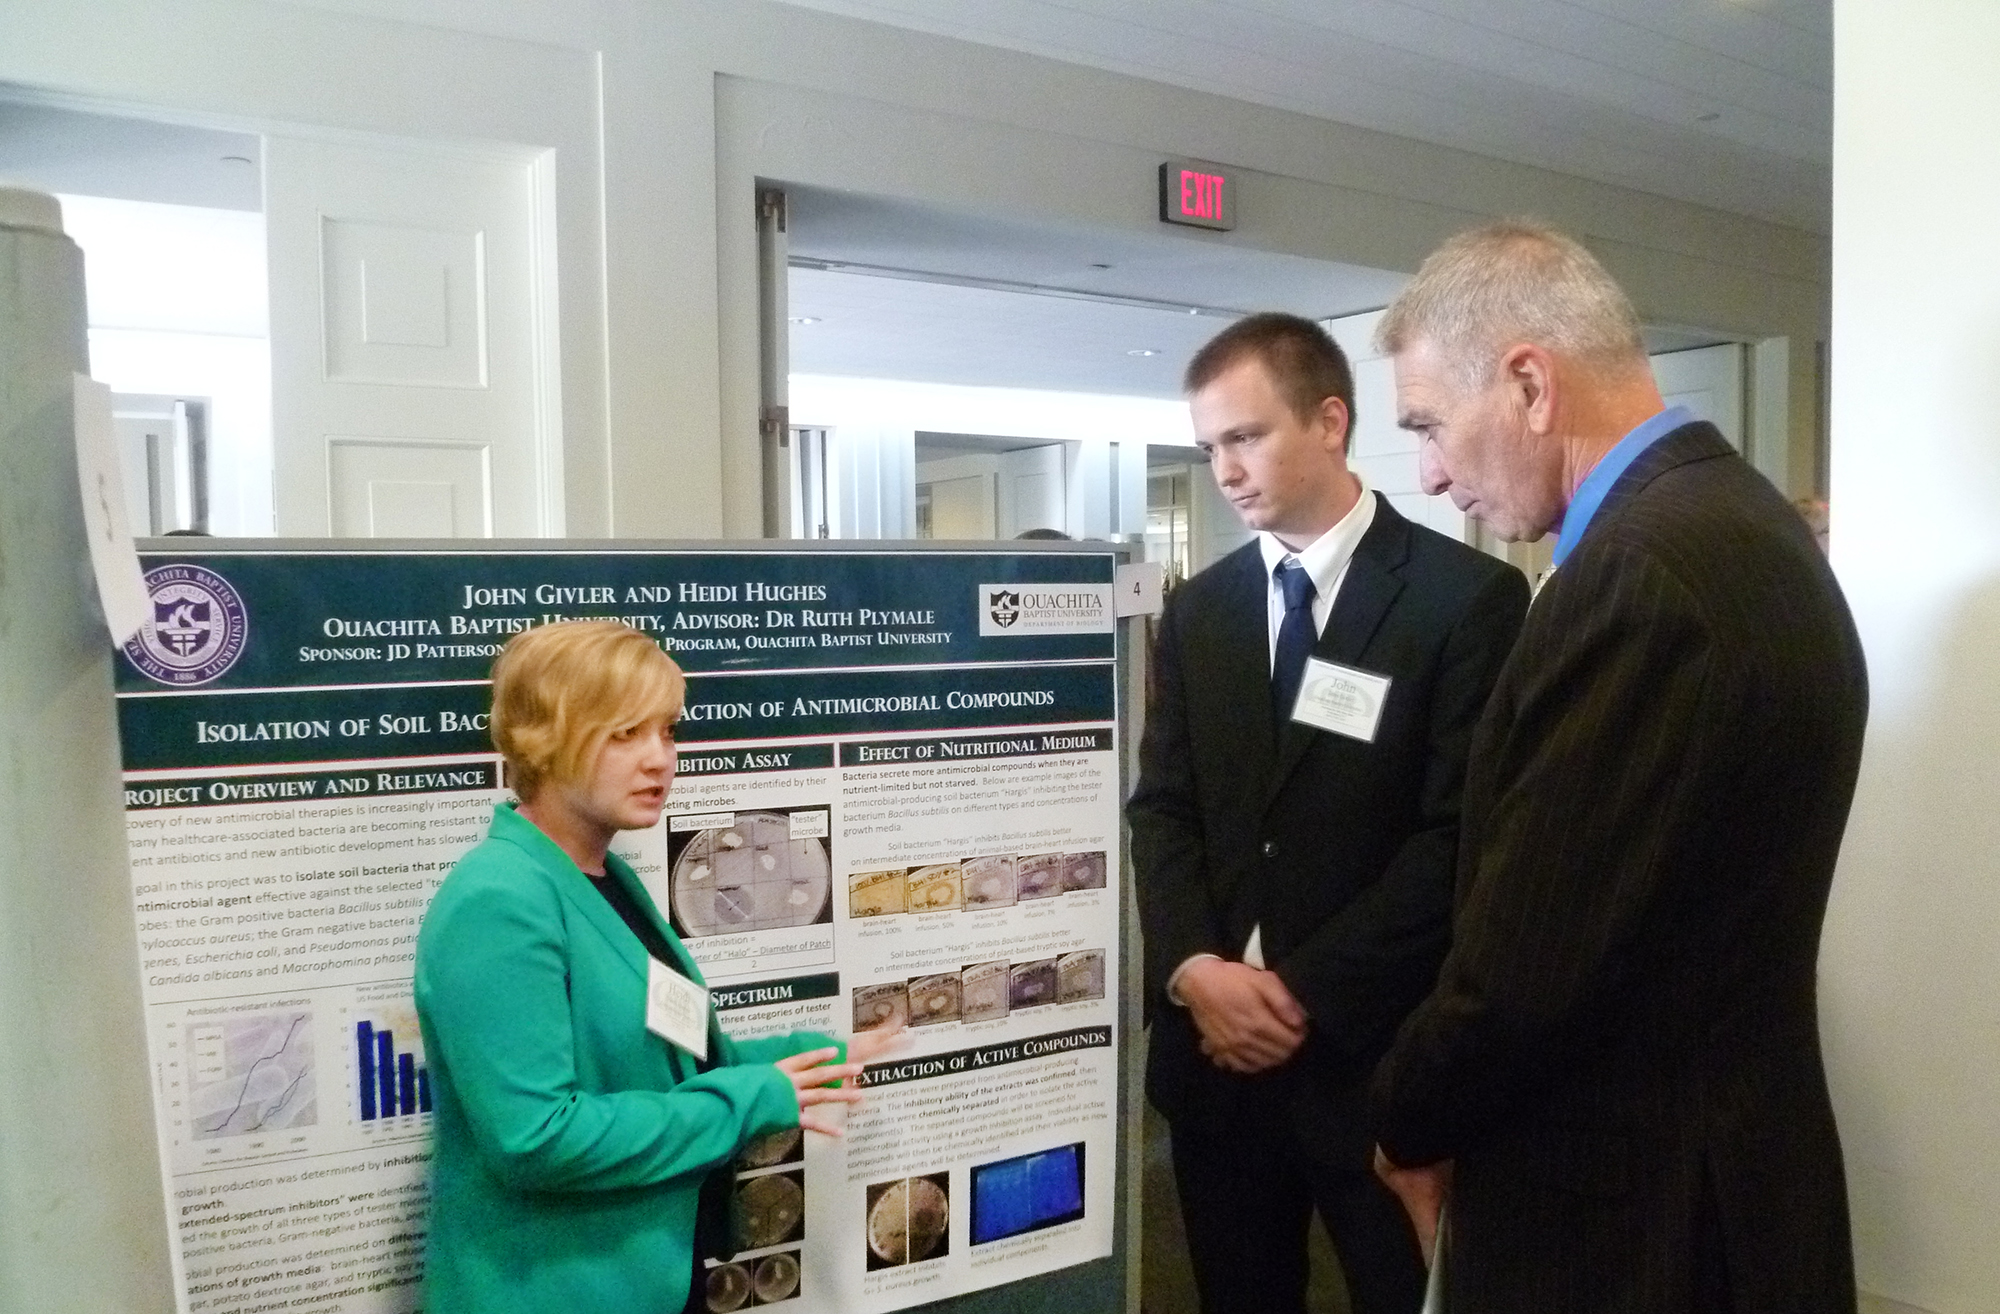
(1724, 103)
(63, 150)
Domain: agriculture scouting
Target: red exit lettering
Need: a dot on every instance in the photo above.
(1201, 194)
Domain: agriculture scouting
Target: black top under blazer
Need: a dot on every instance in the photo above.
(1622, 1053)
(1343, 851)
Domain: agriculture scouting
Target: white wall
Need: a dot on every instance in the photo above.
(1910, 970)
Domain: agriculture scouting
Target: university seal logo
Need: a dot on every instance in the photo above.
(1005, 607)
(198, 628)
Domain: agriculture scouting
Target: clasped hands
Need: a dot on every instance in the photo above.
(1247, 1020)
(816, 1080)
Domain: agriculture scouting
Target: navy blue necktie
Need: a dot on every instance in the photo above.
(1296, 637)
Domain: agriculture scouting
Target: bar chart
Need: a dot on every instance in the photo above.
(390, 1082)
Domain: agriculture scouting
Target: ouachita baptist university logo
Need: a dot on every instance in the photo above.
(199, 626)
(1004, 606)
(1042, 610)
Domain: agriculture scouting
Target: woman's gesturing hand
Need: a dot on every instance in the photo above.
(871, 1046)
(816, 1080)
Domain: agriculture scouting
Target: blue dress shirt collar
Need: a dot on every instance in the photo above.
(1591, 492)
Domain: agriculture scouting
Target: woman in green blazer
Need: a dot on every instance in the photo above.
(570, 1141)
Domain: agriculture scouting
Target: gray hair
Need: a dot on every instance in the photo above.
(1515, 281)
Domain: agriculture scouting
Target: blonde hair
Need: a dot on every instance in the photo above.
(1516, 281)
(561, 690)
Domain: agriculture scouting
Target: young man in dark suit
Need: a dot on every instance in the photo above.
(1617, 1081)
(1295, 823)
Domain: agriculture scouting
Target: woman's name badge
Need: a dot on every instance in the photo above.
(1342, 699)
(676, 1008)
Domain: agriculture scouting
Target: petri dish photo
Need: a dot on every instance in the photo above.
(776, 1277)
(751, 876)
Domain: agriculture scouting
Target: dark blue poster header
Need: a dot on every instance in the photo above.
(284, 657)
(267, 619)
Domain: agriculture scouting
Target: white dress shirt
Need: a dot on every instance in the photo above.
(1325, 561)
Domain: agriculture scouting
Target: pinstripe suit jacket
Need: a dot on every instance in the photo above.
(1622, 1051)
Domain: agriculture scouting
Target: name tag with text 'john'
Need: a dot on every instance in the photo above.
(1344, 699)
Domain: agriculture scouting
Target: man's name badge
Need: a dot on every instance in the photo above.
(676, 1008)
(1342, 699)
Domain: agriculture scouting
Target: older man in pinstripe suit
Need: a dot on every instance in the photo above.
(1616, 1084)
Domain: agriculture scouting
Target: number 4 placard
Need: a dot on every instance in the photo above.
(1140, 589)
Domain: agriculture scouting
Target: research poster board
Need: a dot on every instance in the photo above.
(898, 802)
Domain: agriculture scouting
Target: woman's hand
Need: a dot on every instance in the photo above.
(816, 1080)
(866, 1047)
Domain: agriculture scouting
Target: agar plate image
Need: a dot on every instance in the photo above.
(769, 1210)
(1083, 871)
(877, 893)
(989, 883)
(936, 889)
(984, 990)
(933, 999)
(727, 1288)
(752, 1281)
(885, 1005)
(785, 1146)
(1034, 983)
(1080, 976)
(754, 874)
(1039, 876)
(775, 1277)
(909, 1220)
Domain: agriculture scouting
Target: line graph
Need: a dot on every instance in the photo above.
(251, 1073)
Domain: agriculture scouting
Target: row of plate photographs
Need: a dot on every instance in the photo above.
(983, 992)
(767, 1208)
(973, 884)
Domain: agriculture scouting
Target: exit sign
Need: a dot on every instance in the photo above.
(1192, 192)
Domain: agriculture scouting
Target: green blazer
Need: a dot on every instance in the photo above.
(569, 1141)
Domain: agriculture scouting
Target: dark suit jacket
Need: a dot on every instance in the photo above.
(1341, 850)
(1622, 1052)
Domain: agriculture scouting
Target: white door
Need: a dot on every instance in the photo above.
(1709, 382)
(1033, 493)
(413, 368)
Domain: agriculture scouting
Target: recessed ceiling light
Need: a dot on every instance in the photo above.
(805, 319)
(1142, 351)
